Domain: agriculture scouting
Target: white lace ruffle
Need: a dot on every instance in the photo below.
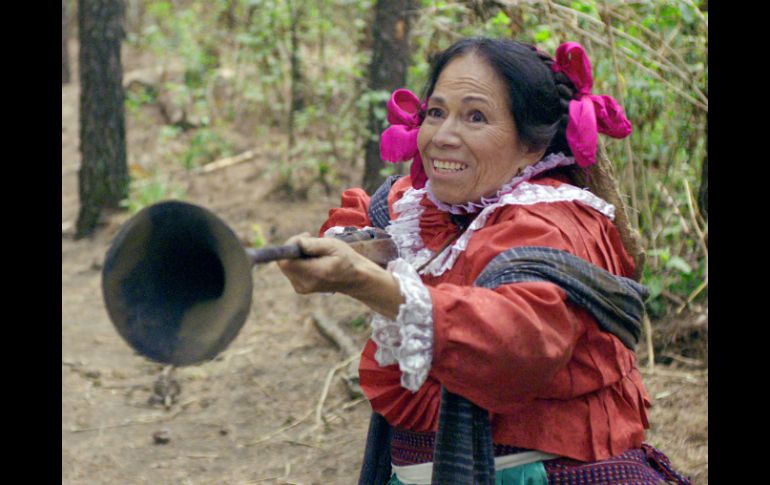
(408, 339)
(524, 194)
(335, 230)
(405, 229)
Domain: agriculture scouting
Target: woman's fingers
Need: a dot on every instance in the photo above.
(314, 246)
(328, 268)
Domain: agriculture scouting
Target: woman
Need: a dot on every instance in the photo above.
(503, 335)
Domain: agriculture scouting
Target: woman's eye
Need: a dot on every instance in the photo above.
(434, 113)
(477, 117)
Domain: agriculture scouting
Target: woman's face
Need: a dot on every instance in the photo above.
(468, 140)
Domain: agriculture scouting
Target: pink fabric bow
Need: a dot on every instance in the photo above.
(399, 141)
(589, 114)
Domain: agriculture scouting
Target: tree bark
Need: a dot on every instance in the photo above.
(103, 176)
(296, 79)
(65, 58)
(387, 71)
(703, 190)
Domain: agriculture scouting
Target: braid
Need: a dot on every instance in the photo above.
(566, 90)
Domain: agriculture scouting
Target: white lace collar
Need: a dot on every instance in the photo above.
(405, 228)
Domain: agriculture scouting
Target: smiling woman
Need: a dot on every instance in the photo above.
(503, 336)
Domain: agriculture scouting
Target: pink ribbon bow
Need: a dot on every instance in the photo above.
(589, 114)
(399, 141)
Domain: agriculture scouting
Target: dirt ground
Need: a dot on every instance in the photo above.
(258, 413)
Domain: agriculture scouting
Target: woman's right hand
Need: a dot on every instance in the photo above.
(333, 266)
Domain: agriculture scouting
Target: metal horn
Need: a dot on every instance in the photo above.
(177, 282)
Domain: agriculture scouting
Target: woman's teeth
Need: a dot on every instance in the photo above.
(448, 166)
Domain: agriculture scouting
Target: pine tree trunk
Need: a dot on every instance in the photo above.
(703, 190)
(65, 57)
(103, 175)
(387, 71)
(296, 80)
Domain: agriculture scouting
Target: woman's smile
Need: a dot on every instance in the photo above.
(447, 166)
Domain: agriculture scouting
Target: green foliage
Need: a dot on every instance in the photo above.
(652, 57)
(136, 98)
(257, 236)
(148, 191)
(205, 146)
(229, 64)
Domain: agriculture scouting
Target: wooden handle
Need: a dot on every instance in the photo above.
(380, 251)
(274, 253)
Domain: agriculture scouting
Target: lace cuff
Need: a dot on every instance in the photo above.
(336, 230)
(408, 339)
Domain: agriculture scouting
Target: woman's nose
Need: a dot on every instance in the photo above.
(446, 135)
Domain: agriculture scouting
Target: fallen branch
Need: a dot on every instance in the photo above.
(692, 377)
(331, 330)
(327, 384)
(226, 162)
(683, 360)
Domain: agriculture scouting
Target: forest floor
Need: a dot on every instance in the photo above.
(260, 413)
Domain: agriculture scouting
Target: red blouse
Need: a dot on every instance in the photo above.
(550, 378)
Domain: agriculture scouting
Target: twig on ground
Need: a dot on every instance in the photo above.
(694, 377)
(280, 430)
(336, 413)
(284, 476)
(667, 393)
(302, 443)
(683, 360)
(331, 330)
(327, 384)
(351, 404)
(139, 420)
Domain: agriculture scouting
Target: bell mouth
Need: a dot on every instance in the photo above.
(177, 283)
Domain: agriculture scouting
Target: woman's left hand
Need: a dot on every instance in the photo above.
(333, 266)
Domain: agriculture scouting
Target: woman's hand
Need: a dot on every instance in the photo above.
(335, 267)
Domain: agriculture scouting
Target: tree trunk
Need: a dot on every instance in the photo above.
(65, 57)
(387, 71)
(296, 80)
(103, 176)
(703, 190)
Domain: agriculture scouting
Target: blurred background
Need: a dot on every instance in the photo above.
(265, 110)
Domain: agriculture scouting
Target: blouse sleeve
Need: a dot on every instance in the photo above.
(353, 211)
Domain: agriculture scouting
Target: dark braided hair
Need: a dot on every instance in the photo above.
(566, 90)
(539, 98)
